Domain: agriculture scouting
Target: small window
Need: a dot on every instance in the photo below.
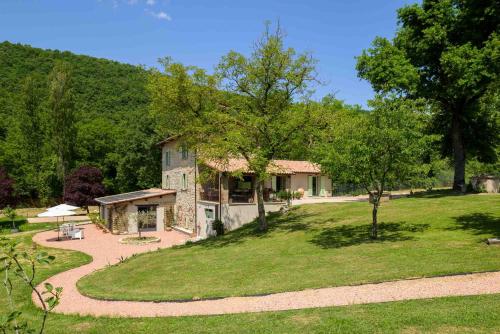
(184, 182)
(184, 152)
(167, 158)
(167, 182)
(209, 213)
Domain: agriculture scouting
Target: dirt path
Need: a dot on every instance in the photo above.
(105, 249)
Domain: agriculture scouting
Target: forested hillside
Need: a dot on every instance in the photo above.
(109, 124)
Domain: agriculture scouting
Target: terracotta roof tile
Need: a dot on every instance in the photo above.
(275, 167)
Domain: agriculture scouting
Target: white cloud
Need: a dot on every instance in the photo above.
(161, 15)
(132, 2)
(150, 2)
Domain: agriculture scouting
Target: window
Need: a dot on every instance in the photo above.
(241, 189)
(167, 182)
(184, 152)
(184, 182)
(167, 158)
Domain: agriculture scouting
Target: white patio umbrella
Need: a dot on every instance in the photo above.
(63, 207)
(57, 214)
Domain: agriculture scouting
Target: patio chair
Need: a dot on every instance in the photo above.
(76, 233)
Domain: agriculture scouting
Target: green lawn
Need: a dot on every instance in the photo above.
(23, 225)
(476, 314)
(317, 246)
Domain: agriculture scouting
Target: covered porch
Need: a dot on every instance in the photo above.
(152, 208)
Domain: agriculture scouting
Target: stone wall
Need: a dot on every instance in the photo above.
(172, 178)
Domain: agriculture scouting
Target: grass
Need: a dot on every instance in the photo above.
(316, 246)
(23, 225)
(474, 314)
(33, 212)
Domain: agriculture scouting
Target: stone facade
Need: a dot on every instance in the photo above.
(179, 173)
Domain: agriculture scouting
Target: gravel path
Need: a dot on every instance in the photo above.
(105, 249)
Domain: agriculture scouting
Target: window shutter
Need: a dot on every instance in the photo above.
(310, 185)
(167, 158)
(273, 182)
(322, 183)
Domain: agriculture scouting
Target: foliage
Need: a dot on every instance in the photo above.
(83, 185)
(61, 118)
(6, 189)
(218, 226)
(11, 214)
(285, 195)
(447, 52)
(377, 150)
(111, 128)
(96, 219)
(24, 265)
(245, 110)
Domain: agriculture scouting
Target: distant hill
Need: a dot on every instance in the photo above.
(114, 130)
(103, 86)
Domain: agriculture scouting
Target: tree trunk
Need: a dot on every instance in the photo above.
(458, 154)
(260, 205)
(374, 231)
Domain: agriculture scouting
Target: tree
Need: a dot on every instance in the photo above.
(378, 149)
(6, 189)
(447, 52)
(83, 185)
(11, 214)
(62, 116)
(244, 110)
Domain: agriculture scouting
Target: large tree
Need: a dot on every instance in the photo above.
(62, 117)
(376, 150)
(449, 53)
(83, 185)
(245, 110)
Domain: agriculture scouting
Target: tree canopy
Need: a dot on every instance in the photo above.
(83, 185)
(447, 52)
(246, 109)
(110, 125)
(379, 149)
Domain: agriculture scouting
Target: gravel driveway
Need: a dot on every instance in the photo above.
(105, 249)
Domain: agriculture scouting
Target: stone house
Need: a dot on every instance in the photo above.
(194, 193)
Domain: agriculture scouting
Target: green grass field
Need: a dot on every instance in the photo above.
(23, 226)
(475, 314)
(317, 246)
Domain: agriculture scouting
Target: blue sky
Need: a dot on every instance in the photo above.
(199, 32)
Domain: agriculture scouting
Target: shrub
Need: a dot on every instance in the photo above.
(96, 219)
(284, 195)
(218, 227)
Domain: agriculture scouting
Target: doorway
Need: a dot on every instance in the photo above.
(314, 185)
(149, 218)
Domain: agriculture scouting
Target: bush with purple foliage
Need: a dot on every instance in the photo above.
(83, 185)
(6, 189)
